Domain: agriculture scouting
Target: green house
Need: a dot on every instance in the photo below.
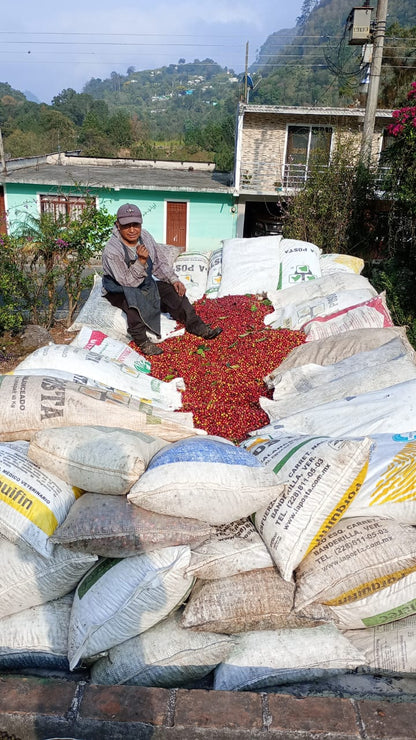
(187, 204)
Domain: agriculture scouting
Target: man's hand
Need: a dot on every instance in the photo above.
(179, 287)
(142, 253)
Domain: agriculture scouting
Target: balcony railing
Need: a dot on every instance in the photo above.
(265, 176)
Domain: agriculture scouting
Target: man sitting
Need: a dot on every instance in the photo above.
(139, 278)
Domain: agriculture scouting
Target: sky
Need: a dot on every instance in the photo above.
(47, 47)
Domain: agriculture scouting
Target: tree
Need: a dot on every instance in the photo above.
(44, 260)
(399, 57)
(72, 104)
(397, 274)
(119, 129)
(333, 209)
(307, 7)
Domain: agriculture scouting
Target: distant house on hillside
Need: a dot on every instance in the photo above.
(276, 146)
(187, 204)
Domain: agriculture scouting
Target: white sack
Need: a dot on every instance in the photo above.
(214, 273)
(231, 549)
(371, 314)
(99, 459)
(119, 599)
(388, 649)
(37, 637)
(295, 315)
(393, 602)
(192, 270)
(299, 263)
(98, 313)
(340, 346)
(165, 655)
(272, 658)
(321, 286)
(30, 403)
(311, 385)
(114, 349)
(33, 501)
(104, 370)
(207, 479)
(357, 557)
(389, 489)
(249, 265)
(28, 579)
(390, 410)
(322, 478)
(334, 262)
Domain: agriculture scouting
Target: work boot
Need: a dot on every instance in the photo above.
(149, 348)
(207, 332)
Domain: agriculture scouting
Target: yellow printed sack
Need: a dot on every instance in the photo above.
(358, 559)
(322, 477)
(389, 489)
(33, 502)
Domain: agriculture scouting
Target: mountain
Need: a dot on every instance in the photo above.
(187, 110)
(31, 96)
(317, 66)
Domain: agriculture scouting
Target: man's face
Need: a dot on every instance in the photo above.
(130, 233)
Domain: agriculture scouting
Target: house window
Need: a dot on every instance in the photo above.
(64, 207)
(307, 147)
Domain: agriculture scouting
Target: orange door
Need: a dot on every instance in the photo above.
(176, 224)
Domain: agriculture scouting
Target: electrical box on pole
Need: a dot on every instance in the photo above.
(359, 25)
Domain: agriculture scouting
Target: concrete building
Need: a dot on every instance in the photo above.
(188, 204)
(276, 148)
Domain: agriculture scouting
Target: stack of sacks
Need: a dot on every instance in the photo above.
(238, 596)
(98, 370)
(300, 388)
(186, 492)
(33, 503)
(360, 564)
(321, 307)
(186, 583)
(359, 382)
(52, 535)
(342, 387)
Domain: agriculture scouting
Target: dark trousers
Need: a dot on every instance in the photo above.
(170, 302)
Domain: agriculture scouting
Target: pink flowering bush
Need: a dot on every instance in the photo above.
(405, 118)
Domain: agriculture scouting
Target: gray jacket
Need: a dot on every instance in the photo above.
(114, 264)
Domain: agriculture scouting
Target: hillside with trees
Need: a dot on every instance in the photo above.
(319, 67)
(186, 111)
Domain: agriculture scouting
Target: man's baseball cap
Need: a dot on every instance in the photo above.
(128, 214)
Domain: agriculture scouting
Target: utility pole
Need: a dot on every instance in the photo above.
(245, 76)
(2, 157)
(374, 81)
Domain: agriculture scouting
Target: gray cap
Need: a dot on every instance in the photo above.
(128, 214)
